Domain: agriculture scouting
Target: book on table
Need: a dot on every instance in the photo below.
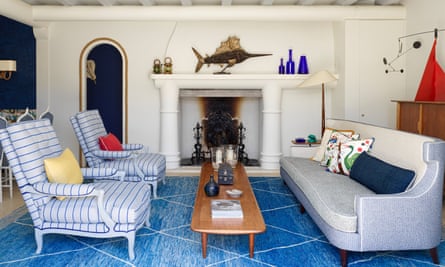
(224, 208)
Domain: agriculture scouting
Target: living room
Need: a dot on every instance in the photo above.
(349, 41)
(331, 40)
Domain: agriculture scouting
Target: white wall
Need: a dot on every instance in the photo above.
(321, 38)
(145, 41)
(365, 89)
(423, 16)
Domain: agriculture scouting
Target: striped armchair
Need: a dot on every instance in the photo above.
(101, 209)
(137, 164)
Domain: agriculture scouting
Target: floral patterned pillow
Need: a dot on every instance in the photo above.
(349, 152)
(330, 159)
(319, 155)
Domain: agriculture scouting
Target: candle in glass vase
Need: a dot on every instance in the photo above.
(229, 154)
(218, 156)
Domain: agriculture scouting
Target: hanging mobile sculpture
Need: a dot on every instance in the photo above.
(416, 44)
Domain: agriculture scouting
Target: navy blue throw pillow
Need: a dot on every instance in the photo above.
(379, 176)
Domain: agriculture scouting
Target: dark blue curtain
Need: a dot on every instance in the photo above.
(17, 42)
(106, 93)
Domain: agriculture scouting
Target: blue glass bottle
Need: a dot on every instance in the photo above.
(290, 64)
(302, 67)
(281, 68)
(211, 188)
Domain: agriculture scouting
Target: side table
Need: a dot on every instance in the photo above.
(303, 150)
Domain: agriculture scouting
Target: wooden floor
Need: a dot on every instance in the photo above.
(10, 204)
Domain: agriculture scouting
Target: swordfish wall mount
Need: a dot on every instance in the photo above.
(228, 53)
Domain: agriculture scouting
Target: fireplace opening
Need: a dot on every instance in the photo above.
(219, 125)
(220, 128)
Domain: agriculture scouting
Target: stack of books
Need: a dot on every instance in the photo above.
(224, 208)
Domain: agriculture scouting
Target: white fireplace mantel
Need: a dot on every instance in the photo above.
(271, 86)
(227, 81)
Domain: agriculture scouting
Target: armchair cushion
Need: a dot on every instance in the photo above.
(110, 142)
(63, 169)
(379, 176)
(126, 202)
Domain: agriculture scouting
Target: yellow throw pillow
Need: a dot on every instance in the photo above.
(63, 169)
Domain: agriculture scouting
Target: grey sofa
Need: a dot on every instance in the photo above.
(353, 217)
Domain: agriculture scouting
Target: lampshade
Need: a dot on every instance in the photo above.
(320, 77)
(7, 65)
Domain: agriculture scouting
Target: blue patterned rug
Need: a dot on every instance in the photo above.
(291, 238)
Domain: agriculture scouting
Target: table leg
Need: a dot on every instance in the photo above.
(251, 244)
(204, 244)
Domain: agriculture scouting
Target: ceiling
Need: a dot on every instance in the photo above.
(208, 2)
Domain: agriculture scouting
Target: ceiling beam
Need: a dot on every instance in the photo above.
(107, 2)
(186, 2)
(306, 2)
(345, 2)
(148, 2)
(68, 2)
(267, 2)
(330, 13)
(387, 2)
(226, 2)
(366, 2)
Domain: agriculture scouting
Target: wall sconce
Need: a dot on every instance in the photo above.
(6, 69)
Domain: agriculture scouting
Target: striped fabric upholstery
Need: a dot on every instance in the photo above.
(125, 202)
(145, 166)
(90, 127)
(137, 165)
(99, 209)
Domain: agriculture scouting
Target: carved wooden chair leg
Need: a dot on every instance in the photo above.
(434, 255)
(344, 257)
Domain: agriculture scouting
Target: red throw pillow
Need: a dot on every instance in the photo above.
(110, 142)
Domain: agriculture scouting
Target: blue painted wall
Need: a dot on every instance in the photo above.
(106, 94)
(17, 42)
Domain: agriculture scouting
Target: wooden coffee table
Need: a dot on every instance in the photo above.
(252, 222)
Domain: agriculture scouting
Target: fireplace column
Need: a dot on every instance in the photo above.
(270, 156)
(169, 124)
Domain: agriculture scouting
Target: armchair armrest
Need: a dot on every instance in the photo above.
(133, 147)
(76, 190)
(69, 190)
(103, 173)
(104, 154)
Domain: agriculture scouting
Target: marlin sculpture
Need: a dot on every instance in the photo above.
(228, 53)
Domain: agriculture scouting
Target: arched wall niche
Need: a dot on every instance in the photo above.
(83, 78)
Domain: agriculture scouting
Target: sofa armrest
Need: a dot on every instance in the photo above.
(387, 221)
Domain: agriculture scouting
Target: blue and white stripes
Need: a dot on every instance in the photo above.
(100, 209)
(138, 166)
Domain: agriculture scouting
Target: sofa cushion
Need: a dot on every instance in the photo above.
(379, 176)
(331, 195)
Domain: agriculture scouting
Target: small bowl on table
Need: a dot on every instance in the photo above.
(235, 193)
